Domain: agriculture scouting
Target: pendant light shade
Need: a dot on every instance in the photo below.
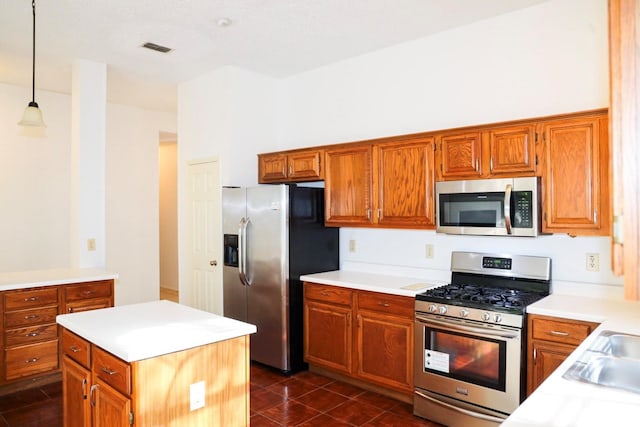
(32, 115)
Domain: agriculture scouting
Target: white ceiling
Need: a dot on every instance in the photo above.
(273, 37)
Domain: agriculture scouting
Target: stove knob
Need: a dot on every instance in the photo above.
(464, 313)
(433, 308)
(486, 316)
(497, 318)
(443, 309)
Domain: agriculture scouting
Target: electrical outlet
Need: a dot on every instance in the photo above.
(91, 244)
(196, 395)
(593, 262)
(352, 245)
(428, 251)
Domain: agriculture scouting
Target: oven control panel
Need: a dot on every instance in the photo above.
(495, 262)
(467, 313)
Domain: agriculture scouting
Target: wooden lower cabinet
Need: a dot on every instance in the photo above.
(550, 341)
(101, 390)
(376, 349)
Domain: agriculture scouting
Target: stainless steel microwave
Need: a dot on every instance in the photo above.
(489, 207)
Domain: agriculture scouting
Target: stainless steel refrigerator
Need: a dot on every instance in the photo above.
(273, 234)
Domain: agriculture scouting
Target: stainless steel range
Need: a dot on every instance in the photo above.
(470, 338)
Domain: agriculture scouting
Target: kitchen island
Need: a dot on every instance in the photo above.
(156, 363)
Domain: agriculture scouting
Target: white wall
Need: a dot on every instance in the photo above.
(544, 60)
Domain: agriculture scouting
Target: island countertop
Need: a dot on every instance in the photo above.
(60, 276)
(141, 331)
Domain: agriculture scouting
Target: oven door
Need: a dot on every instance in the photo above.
(468, 361)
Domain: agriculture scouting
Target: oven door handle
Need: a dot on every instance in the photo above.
(461, 410)
(478, 331)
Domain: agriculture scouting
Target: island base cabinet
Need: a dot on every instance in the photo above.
(159, 393)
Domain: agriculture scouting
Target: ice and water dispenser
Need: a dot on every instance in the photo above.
(231, 250)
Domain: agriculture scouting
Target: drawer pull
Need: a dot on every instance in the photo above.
(74, 349)
(108, 371)
(559, 334)
(70, 310)
(32, 334)
(31, 317)
(384, 304)
(88, 292)
(34, 360)
(324, 293)
(31, 299)
(91, 390)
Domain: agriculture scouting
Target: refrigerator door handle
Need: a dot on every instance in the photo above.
(242, 250)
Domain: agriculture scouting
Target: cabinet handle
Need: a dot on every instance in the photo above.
(368, 214)
(31, 316)
(535, 355)
(108, 371)
(84, 389)
(559, 333)
(491, 164)
(91, 390)
(70, 310)
(324, 293)
(384, 304)
(31, 299)
(477, 165)
(74, 349)
(35, 359)
(88, 292)
(32, 334)
(290, 170)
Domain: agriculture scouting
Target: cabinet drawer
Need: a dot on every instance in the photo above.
(327, 293)
(76, 348)
(390, 304)
(565, 332)
(31, 359)
(38, 316)
(110, 369)
(20, 300)
(86, 305)
(31, 334)
(100, 289)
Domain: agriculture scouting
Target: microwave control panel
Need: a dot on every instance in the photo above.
(522, 217)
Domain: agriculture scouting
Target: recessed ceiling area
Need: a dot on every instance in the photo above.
(277, 38)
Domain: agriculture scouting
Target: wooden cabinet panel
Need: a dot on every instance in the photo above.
(31, 334)
(461, 155)
(76, 348)
(295, 166)
(348, 186)
(32, 298)
(36, 316)
(395, 305)
(404, 183)
(512, 150)
(76, 382)
(90, 290)
(31, 359)
(385, 350)
(328, 335)
(576, 198)
(328, 293)
(111, 370)
(550, 341)
(110, 407)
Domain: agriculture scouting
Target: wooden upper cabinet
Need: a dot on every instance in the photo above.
(512, 150)
(576, 195)
(460, 156)
(404, 176)
(348, 186)
(296, 166)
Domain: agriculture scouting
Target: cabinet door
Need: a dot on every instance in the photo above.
(348, 186)
(404, 183)
(460, 156)
(544, 358)
(327, 335)
(111, 409)
(576, 176)
(304, 165)
(272, 167)
(75, 394)
(512, 151)
(385, 350)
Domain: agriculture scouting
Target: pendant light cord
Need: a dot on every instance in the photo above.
(33, 56)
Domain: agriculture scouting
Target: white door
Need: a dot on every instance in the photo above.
(205, 237)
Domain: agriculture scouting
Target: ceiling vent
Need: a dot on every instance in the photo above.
(157, 47)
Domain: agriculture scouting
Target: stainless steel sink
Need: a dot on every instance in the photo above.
(612, 360)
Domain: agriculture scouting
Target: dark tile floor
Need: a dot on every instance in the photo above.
(303, 399)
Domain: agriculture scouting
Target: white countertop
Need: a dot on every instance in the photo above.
(35, 278)
(559, 402)
(397, 285)
(141, 331)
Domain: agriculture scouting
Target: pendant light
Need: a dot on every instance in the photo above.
(32, 115)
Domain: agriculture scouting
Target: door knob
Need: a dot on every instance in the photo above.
(213, 263)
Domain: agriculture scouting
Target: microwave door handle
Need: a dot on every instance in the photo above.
(507, 207)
